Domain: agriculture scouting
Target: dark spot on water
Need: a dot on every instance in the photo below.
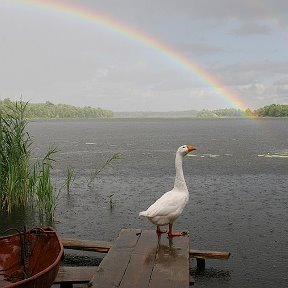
(71, 259)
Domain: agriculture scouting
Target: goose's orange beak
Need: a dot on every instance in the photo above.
(191, 148)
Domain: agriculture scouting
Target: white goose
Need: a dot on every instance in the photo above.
(170, 205)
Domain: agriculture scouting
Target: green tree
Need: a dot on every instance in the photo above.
(50, 110)
(273, 110)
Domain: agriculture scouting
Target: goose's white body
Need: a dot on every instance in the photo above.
(170, 206)
(167, 208)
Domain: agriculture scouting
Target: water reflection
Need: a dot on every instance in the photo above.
(166, 249)
(169, 251)
(210, 273)
(21, 217)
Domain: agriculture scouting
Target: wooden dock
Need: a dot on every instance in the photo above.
(138, 258)
(144, 260)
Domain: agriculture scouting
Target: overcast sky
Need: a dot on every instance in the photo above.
(49, 55)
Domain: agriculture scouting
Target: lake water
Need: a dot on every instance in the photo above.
(237, 181)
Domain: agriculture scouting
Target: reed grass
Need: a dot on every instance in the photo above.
(14, 157)
(26, 184)
(97, 171)
(70, 177)
(44, 188)
(22, 183)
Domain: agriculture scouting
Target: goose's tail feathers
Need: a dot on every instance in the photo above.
(143, 213)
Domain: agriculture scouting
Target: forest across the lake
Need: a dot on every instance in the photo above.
(49, 110)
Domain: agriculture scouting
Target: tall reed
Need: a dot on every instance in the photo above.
(70, 177)
(44, 188)
(14, 157)
(96, 172)
(22, 183)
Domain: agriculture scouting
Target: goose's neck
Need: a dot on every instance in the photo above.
(180, 183)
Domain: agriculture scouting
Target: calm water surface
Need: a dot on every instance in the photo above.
(237, 181)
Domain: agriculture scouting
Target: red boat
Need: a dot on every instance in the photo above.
(30, 259)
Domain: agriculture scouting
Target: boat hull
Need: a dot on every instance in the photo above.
(30, 259)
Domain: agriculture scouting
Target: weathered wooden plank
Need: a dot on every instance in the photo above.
(209, 254)
(139, 270)
(200, 263)
(87, 245)
(171, 267)
(82, 274)
(112, 268)
(104, 247)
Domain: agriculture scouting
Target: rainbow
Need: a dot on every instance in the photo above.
(145, 39)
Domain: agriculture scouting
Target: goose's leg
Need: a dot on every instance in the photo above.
(159, 231)
(174, 234)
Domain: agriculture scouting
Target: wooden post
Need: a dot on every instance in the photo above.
(66, 285)
(200, 264)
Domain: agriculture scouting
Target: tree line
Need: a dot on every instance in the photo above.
(50, 110)
(272, 110)
(229, 112)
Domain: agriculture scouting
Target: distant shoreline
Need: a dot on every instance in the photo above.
(152, 118)
(51, 111)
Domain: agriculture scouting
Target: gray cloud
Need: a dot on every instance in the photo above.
(250, 28)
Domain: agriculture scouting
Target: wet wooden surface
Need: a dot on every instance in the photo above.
(105, 246)
(87, 245)
(207, 254)
(139, 258)
(73, 275)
